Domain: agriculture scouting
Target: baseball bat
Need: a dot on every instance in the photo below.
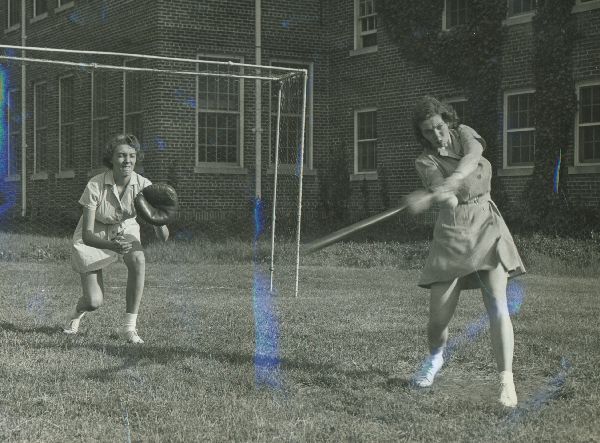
(418, 201)
(340, 234)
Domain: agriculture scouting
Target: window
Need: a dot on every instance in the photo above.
(99, 116)
(218, 117)
(461, 106)
(366, 23)
(365, 140)
(133, 121)
(14, 13)
(455, 13)
(40, 127)
(66, 123)
(519, 128)
(518, 7)
(63, 3)
(40, 7)
(14, 132)
(291, 119)
(588, 124)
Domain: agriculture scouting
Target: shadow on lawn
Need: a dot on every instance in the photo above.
(47, 330)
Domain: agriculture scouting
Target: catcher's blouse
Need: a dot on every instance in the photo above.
(472, 236)
(114, 215)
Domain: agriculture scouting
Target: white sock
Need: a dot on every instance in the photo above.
(506, 377)
(130, 322)
(437, 355)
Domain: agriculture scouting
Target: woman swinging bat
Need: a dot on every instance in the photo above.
(471, 247)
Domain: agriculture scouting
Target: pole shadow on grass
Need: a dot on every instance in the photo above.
(46, 330)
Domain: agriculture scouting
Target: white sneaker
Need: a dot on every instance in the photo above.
(131, 336)
(72, 326)
(431, 366)
(508, 393)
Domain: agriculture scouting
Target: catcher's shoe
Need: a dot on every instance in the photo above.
(431, 366)
(131, 336)
(508, 393)
(72, 326)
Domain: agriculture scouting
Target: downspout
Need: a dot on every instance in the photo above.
(258, 102)
(23, 116)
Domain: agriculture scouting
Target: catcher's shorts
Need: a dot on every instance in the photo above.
(86, 258)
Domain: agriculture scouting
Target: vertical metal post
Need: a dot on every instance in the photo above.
(273, 216)
(298, 227)
(23, 115)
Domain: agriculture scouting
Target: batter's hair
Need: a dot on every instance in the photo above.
(426, 108)
(118, 140)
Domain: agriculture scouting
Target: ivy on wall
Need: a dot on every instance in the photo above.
(469, 54)
(554, 35)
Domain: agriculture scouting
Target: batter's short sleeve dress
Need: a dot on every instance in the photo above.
(472, 236)
(114, 216)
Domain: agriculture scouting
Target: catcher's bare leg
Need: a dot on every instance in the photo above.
(501, 330)
(92, 284)
(442, 304)
(136, 271)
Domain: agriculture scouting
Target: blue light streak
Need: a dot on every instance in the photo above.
(8, 196)
(557, 172)
(266, 322)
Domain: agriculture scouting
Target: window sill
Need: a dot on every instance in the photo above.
(518, 19)
(583, 7)
(360, 176)
(12, 178)
(64, 7)
(37, 18)
(40, 176)
(290, 170)
(361, 51)
(204, 168)
(12, 28)
(515, 171)
(65, 174)
(584, 169)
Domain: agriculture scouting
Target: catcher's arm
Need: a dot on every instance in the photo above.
(118, 244)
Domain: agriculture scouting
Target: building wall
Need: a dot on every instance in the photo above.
(318, 32)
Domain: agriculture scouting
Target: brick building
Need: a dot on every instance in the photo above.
(360, 97)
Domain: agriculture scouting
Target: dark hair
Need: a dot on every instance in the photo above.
(426, 108)
(118, 140)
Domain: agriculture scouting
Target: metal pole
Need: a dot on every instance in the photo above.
(273, 217)
(23, 116)
(305, 81)
(258, 104)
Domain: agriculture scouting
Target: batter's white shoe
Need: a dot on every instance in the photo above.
(431, 366)
(131, 336)
(72, 326)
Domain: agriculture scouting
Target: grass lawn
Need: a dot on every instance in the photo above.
(348, 344)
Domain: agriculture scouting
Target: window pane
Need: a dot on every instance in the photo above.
(14, 17)
(520, 111)
(66, 145)
(521, 147)
(366, 156)
(41, 6)
(589, 142)
(589, 104)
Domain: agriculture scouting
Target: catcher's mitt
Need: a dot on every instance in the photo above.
(157, 204)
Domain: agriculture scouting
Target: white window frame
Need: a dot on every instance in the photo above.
(14, 175)
(450, 101)
(516, 19)
(444, 15)
(36, 16)
(63, 173)
(356, 171)
(580, 6)
(505, 130)
(358, 34)
(14, 26)
(95, 119)
(61, 5)
(578, 164)
(308, 143)
(37, 172)
(215, 167)
(125, 113)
